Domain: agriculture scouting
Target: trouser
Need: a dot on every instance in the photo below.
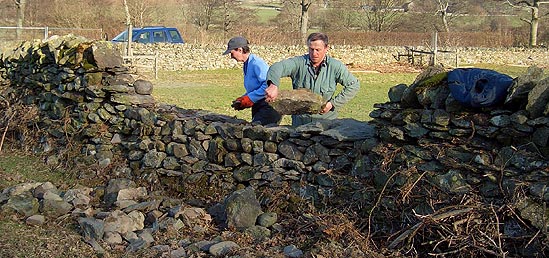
(264, 114)
(302, 119)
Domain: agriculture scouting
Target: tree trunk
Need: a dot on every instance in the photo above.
(304, 22)
(533, 7)
(534, 27)
(21, 5)
(130, 29)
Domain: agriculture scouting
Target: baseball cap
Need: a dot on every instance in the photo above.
(235, 43)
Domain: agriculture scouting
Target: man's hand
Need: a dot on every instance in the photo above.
(271, 93)
(242, 103)
(327, 108)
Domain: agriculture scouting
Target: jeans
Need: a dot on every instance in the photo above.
(264, 114)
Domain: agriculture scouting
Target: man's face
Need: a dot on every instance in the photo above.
(238, 55)
(317, 52)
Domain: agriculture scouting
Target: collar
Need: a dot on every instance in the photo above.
(323, 63)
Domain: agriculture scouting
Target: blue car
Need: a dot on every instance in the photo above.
(158, 34)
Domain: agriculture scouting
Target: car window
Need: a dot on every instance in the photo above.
(175, 36)
(159, 36)
(143, 37)
(123, 36)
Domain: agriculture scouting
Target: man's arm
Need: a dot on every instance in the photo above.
(278, 70)
(259, 71)
(350, 84)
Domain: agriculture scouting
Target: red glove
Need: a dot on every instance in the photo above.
(242, 103)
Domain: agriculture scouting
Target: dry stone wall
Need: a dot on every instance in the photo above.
(421, 154)
(203, 57)
(84, 94)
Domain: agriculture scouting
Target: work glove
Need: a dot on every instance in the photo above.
(242, 103)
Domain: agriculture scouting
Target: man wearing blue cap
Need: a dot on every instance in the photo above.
(255, 74)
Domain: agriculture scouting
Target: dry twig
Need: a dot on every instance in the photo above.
(409, 233)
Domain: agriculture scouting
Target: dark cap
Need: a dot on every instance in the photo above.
(235, 43)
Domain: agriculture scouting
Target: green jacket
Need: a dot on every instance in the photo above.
(332, 72)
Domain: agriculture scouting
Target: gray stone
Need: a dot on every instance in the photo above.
(538, 98)
(113, 187)
(290, 150)
(40, 190)
(112, 238)
(242, 209)
(105, 55)
(292, 251)
(22, 203)
(222, 248)
(143, 87)
(35, 220)
(517, 95)
(396, 92)
(92, 228)
(54, 206)
(258, 233)
(120, 222)
(154, 159)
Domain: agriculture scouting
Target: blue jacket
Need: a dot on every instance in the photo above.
(255, 76)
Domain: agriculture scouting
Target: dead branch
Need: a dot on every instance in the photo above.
(411, 231)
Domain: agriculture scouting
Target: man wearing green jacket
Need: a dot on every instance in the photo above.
(319, 73)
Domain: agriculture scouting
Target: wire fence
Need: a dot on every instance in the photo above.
(30, 33)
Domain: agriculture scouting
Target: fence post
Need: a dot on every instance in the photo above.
(457, 53)
(435, 48)
(46, 32)
(156, 66)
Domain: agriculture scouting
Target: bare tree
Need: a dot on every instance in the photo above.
(304, 20)
(303, 6)
(532, 6)
(140, 11)
(443, 12)
(21, 6)
(202, 13)
(381, 15)
(129, 28)
(233, 15)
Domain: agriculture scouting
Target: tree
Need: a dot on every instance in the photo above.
(140, 11)
(443, 12)
(304, 6)
(21, 6)
(129, 28)
(202, 13)
(532, 6)
(382, 15)
(304, 20)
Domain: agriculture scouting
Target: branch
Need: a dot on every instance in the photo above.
(518, 4)
(410, 232)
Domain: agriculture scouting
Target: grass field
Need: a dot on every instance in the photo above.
(214, 90)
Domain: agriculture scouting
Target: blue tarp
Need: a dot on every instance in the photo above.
(476, 87)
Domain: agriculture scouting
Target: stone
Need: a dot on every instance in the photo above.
(143, 87)
(242, 209)
(104, 54)
(298, 101)
(538, 98)
(222, 248)
(35, 220)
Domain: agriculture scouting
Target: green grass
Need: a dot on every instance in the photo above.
(214, 91)
(265, 15)
(19, 167)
